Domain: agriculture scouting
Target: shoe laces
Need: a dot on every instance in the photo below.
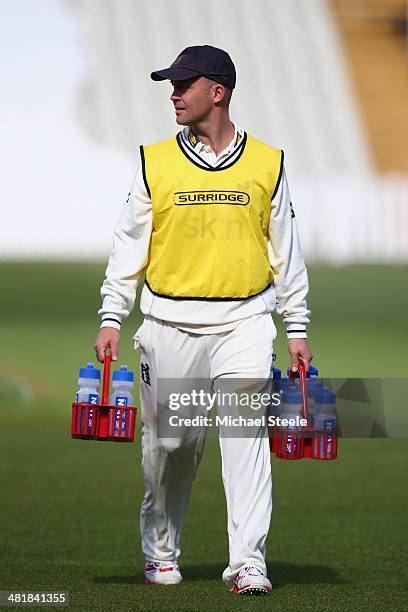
(250, 570)
(161, 565)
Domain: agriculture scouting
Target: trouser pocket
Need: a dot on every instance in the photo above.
(138, 337)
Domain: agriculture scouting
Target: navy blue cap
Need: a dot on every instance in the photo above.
(89, 372)
(123, 374)
(200, 60)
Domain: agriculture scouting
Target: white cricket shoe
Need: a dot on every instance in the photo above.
(251, 581)
(161, 572)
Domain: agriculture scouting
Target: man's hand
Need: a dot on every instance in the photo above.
(299, 350)
(107, 337)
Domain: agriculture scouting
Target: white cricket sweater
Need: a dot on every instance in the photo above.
(129, 258)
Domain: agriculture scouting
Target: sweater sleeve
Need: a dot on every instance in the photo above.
(129, 255)
(289, 270)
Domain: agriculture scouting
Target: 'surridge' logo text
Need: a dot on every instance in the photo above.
(185, 198)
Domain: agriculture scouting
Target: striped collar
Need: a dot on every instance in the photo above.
(200, 154)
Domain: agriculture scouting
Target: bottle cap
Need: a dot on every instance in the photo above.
(285, 383)
(89, 372)
(325, 396)
(290, 387)
(318, 393)
(313, 382)
(313, 391)
(123, 374)
(313, 386)
(312, 372)
(291, 396)
(328, 397)
(276, 374)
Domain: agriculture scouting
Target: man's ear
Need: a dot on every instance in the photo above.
(219, 93)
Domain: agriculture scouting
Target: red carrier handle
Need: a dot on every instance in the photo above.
(106, 378)
(303, 387)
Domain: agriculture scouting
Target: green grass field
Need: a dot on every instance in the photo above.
(69, 509)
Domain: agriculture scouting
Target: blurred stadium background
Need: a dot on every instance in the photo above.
(327, 81)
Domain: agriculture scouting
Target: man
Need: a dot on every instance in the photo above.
(210, 223)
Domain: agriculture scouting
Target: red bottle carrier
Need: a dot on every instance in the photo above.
(102, 421)
(308, 442)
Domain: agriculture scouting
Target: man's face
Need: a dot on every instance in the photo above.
(192, 99)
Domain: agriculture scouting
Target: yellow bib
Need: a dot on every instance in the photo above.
(210, 227)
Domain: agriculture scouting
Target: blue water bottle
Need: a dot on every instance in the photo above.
(88, 393)
(275, 378)
(88, 381)
(313, 388)
(122, 384)
(290, 442)
(325, 422)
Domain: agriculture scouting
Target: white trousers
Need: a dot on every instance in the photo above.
(169, 464)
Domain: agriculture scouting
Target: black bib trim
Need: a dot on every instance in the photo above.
(207, 299)
(275, 191)
(224, 165)
(142, 158)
